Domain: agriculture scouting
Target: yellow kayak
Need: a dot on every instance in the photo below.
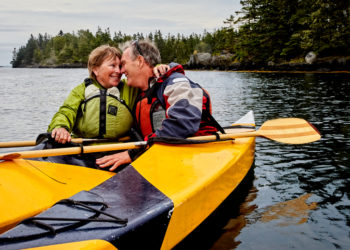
(153, 203)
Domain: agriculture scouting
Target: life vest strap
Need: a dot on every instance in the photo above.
(103, 104)
(212, 121)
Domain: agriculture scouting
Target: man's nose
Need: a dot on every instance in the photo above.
(122, 69)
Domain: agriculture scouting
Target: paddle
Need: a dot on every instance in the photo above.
(285, 130)
(11, 144)
(72, 150)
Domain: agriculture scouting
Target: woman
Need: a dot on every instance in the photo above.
(100, 107)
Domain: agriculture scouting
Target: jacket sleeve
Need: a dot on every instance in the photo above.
(67, 113)
(183, 103)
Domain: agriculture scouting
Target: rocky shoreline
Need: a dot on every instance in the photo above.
(206, 61)
(226, 62)
(64, 66)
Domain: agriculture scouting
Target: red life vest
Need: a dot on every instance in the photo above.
(150, 111)
(149, 114)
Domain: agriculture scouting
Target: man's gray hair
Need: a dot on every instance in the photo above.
(147, 49)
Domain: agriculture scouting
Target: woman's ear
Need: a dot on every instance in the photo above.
(95, 70)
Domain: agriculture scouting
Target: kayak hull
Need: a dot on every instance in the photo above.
(197, 191)
(164, 195)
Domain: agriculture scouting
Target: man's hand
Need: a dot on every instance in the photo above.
(160, 69)
(61, 135)
(114, 160)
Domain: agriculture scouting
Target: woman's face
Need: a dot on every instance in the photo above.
(108, 73)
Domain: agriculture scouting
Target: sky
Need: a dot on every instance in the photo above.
(20, 19)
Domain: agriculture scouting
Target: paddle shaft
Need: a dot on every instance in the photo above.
(72, 150)
(29, 143)
(226, 136)
(284, 130)
(11, 144)
(102, 148)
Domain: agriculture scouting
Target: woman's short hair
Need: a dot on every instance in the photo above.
(99, 55)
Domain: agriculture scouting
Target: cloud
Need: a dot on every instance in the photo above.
(20, 19)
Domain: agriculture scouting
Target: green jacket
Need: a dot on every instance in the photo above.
(82, 117)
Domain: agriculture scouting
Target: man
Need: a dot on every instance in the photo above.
(169, 106)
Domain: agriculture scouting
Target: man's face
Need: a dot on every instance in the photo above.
(131, 69)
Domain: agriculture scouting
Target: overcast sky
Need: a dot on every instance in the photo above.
(20, 19)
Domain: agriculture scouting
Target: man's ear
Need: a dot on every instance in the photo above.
(140, 61)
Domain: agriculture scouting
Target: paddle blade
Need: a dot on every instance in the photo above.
(289, 130)
(10, 156)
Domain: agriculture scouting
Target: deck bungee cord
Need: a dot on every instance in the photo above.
(55, 227)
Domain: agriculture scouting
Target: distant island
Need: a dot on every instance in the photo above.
(264, 35)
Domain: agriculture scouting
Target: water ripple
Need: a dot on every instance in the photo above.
(289, 179)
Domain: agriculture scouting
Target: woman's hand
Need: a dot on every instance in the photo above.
(61, 135)
(160, 69)
(114, 160)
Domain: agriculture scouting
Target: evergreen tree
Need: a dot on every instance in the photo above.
(262, 31)
(29, 51)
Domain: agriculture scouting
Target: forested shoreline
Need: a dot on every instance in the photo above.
(276, 34)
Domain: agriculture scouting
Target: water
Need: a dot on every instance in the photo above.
(299, 196)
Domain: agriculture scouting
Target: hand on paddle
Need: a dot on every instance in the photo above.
(114, 160)
(61, 135)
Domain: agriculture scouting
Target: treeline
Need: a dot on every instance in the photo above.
(282, 30)
(74, 49)
(262, 31)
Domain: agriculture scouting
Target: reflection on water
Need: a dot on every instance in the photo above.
(291, 212)
(234, 226)
(277, 211)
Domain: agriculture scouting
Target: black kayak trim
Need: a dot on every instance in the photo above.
(127, 194)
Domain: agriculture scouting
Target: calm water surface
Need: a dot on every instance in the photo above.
(298, 197)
